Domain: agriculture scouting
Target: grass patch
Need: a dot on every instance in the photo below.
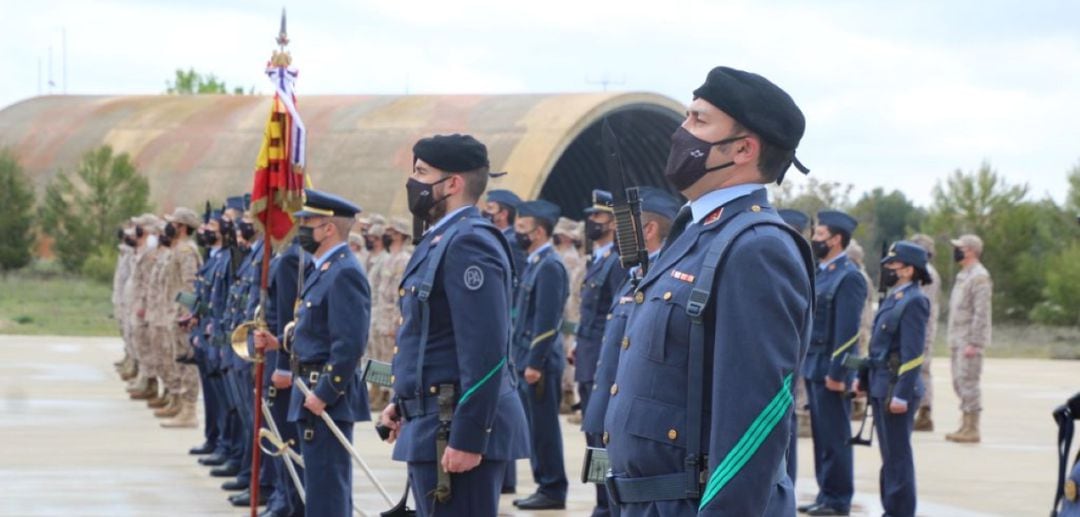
(39, 301)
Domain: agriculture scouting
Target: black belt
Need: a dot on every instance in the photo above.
(413, 408)
(668, 487)
(310, 372)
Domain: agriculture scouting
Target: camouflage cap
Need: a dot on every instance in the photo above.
(377, 229)
(184, 216)
(400, 225)
(924, 240)
(565, 227)
(356, 238)
(147, 221)
(970, 241)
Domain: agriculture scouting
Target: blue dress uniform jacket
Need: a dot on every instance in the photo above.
(331, 332)
(517, 255)
(841, 293)
(756, 327)
(467, 344)
(220, 278)
(602, 280)
(211, 428)
(896, 355)
(611, 345)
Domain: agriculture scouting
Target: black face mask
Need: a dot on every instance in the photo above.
(889, 277)
(820, 248)
(422, 198)
(170, 230)
(686, 162)
(120, 234)
(165, 240)
(305, 237)
(369, 244)
(387, 241)
(489, 216)
(138, 231)
(594, 231)
(958, 254)
(209, 238)
(130, 241)
(247, 230)
(523, 240)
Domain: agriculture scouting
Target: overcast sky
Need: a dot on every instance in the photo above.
(895, 94)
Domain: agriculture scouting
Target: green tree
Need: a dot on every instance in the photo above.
(1072, 203)
(16, 214)
(81, 212)
(191, 82)
(813, 196)
(884, 219)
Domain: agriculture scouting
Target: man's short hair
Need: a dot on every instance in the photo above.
(845, 237)
(772, 160)
(475, 184)
(343, 225)
(663, 224)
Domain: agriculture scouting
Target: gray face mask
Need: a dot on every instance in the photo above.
(151, 241)
(686, 161)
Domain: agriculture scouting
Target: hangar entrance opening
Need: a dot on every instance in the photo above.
(644, 133)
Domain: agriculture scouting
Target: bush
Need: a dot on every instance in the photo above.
(101, 265)
(1062, 305)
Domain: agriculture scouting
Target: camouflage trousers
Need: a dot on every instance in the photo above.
(966, 372)
(180, 379)
(141, 341)
(568, 372)
(153, 353)
(126, 330)
(927, 379)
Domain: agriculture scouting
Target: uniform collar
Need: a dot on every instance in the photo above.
(329, 253)
(447, 217)
(214, 251)
(898, 288)
(710, 201)
(539, 251)
(598, 253)
(823, 265)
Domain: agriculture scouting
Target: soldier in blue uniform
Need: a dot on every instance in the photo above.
(332, 321)
(281, 300)
(894, 384)
(603, 276)
(800, 417)
(215, 296)
(658, 209)
(538, 354)
(841, 293)
(699, 414)
(501, 210)
(456, 418)
(795, 219)
(200, 345)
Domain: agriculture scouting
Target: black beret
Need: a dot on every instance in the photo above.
(452, 153)
(756, 103)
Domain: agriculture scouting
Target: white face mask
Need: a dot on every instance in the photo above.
(151, 242)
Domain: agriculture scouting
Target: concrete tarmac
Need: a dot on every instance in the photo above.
(71, 443)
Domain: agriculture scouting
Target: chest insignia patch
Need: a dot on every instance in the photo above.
(714, 216)
(679, 275)
(474, 278)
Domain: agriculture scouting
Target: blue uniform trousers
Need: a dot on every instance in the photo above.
(211, 427)
(475, 492)
(286, 499)
(585, 390)
(541, 401)
(897, 480)
(830, 419)
(328, 481)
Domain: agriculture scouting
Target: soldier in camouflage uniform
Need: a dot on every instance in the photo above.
(969, 332)
(385, 316)
(125, 263)
(857, 254)
(146, 382)
(924, 419)
(181, 379)
(565, 232)
(158, 316)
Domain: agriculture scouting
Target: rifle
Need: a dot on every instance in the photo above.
(626, 206)
(883, 290)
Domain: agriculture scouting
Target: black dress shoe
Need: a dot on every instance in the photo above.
(244, 498)
(822, 510)
(807, 507)
(228, 470)
(273, 513)
(203, 449)
(234, 485)
(540, 501)
(213, 460)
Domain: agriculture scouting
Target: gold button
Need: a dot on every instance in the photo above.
(614, 389)
(337, 379)
(395, 349)
(401, 320)
(667, 295)
(609, 316)
(329, 367)
(605, 438)
(755, 208)
(672, 434)
(639, 297)
(309, 304)
(434, 389)
(625, 342)
(401, 292)
(392, 379)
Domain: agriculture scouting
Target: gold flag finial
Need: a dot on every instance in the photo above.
(281, 56)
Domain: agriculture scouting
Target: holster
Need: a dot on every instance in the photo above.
(442, 439)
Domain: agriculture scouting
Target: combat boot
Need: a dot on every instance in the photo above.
(923, 421)
(805, 431)
(185, 418)
(136, 385)
(858, 409)
(969, 433)
(171, 409)
(566, 407)
(130, 371)
(158, 401)
(150, 391)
